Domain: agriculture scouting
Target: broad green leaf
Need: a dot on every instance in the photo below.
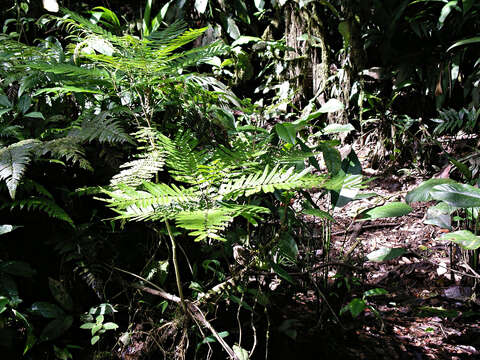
(332, 159)
(56, 328)
(46, 309)
(60, 294)
(465, 42)
(287, 132)
(35, 115)
(337, 128)
(110, 326)
(385, 254)
(356, 307)
(319, 213)
(394, 209)
(241, 353)
(201, 6)
(331, 105)
(87, 326)
(245, 40)
(94, 339)
(232, 29)
(375, 292)
(352, 183)
(422, 192)
(17, 268)
(5, 102)
(457, 195)
(464, 238)
(24, 103)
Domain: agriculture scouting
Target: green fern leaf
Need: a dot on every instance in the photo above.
(13, 162)
(137, 171)
(67, 148)
(206, 223)
(101, 127)
(47, 206)
(269, 181)
(157, 201)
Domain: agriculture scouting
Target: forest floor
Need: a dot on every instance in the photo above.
(429, 311)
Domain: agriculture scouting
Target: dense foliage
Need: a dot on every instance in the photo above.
(169, 176)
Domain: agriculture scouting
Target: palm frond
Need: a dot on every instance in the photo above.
(13, 162)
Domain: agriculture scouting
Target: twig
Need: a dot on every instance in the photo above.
(195, 312)
(343, 232)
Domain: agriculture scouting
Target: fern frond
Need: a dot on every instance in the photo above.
(182, 157)
(13, 162)
(69, 70)
(174, 30)
(156, 201)
(268, 181)
(142, 169)
(47, 206)
(208, 223)
(101, 127)
(67, 148)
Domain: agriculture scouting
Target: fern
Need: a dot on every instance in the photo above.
(268, 181)
(45, 205)
(142, 169)
(13, 162)
(67, 148)
(101, 127)
(154, 202)
(208, 223)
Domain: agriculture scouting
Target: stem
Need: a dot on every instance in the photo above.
(175, 265)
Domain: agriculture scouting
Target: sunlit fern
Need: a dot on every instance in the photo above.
(216, 192)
